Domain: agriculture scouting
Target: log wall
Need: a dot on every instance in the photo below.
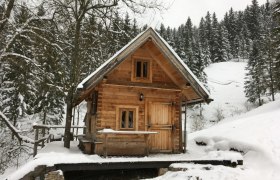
(119, 89)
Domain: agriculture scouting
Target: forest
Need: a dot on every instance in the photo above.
(46, 49)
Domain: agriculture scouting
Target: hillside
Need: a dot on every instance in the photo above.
(226, 85)
(255, 134)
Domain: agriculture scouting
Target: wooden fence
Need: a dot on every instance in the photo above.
(44, 130)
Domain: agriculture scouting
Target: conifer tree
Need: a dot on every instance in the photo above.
(268, 49)
(20, 92)
(254, 83)
(179, 42)
(204, 44)
(244, 42)
(208, 27)
(214, 41)
(224, 46)
(232, 31)
(276, 41)
(188, 44)
(254, 20)
(135, 29)
(198, 64)
(169, 36)
(126, 30)
(162, 31)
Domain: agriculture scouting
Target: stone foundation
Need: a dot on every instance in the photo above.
(54, 175)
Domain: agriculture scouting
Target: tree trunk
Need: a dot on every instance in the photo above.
(271, 79)
(74, 77)
(260, 100)
(69, 107)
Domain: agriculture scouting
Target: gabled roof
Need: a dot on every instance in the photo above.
(94, 78)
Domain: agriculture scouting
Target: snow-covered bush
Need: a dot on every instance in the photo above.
(219, 114)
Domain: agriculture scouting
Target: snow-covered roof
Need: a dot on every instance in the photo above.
(95, 77)
(81, 85)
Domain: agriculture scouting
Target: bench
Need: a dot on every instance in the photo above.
(129, 143)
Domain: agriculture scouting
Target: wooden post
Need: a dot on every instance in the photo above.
(180, 126)
(48, 133)
(43, 129)
(73, 121)
(77, 123)
(185, 128)
(43, 132)
(35, 142)
(146, 138)
(105, 145)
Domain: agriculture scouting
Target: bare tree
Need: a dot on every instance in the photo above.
(75, 11)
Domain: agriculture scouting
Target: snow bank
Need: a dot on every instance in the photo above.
(202, 172)
(256, 136)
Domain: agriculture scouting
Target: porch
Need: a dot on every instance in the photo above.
(118, 143)
(55, 157)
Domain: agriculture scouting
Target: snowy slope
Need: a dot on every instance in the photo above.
(226, 85)
(256, 134)
(226, 82)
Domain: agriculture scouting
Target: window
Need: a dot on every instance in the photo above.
(127, 118)
(142, 68)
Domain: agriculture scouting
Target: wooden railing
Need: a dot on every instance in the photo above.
(47, 137)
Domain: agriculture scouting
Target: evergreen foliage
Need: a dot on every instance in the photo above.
(255, 84)
(276, 41)
(232, 38)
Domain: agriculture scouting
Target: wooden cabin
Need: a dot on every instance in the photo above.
(134, 100)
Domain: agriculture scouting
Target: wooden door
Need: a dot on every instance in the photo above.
(160, 120)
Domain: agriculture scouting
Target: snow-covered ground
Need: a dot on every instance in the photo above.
(55, 153)
(226, 84)
(254, 133)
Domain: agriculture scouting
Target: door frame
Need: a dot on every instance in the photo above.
(160, 100)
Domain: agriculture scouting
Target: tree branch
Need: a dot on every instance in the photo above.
(7, 15)
(10, 126)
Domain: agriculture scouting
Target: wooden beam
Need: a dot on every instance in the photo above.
(163, 67)
(143, 87)
(70, 168)
(195, 101)
(138, 164)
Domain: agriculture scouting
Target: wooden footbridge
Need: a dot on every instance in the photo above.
(70, 168)
(42, 136)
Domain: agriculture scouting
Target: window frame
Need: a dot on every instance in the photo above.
(119, 110)
(134, 77)
(127, 113)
